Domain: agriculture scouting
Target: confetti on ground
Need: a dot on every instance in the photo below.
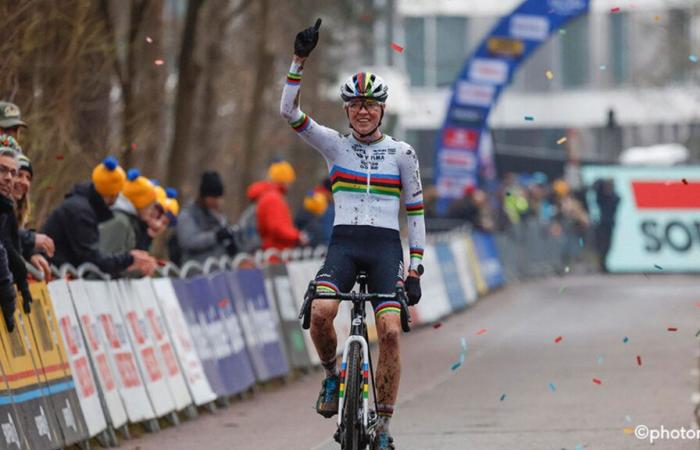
(529, 118)
(628, 419)
(658, 267)
(456, 365)
(639, 360)
(602, 67)
(437, 325)
(597, 381)
(561, 140)
(503, 397)
(552, 387)
(558, 339)
(625, 340)
(149, 40)
(615, 10)
(459, 363)
(158, 62)
(396, 47)
(549, 74)
(600, 360)
(59, 157)
(693, 58)
(672, 329)
(628, 430)
(480, 332)
(579, 447)
(562, 290)
(684, 181)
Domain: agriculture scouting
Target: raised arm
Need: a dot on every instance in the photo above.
(412, 191)
(323, 139)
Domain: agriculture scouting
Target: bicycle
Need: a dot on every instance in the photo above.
(355, 425)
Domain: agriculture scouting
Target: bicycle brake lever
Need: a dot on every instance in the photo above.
(306, 306)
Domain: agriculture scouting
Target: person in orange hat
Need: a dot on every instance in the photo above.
(74, 225)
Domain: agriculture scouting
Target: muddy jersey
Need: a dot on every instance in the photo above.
(368, 179)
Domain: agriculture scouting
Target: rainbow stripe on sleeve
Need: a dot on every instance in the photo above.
(293, 79)
(414, 209)
(416, 252)
(301, 124)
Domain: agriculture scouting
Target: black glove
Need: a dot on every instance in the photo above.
(27, 299)
(306, 40)
(7, 304)
(412, 285)
(224, 234)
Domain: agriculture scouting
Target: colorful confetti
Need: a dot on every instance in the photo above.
(558, 339)
(615, 10)
(223, 303)
(639, 360)
(561, 140)
(459, 363)
(628, 419)
(480, 332)
(149, 40)
(625, 340)
(684, 181)
(158, 62)
(437, 325)
(549, 74)
(579, 447)
(59, 157)
(658, 267)
(396, 47)
(693, 58)
(552, 387)
(529, 118)
(672, 329)
(597, 381)
(503, 397)
(600, 360)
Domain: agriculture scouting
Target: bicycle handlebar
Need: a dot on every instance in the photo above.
(311, 295)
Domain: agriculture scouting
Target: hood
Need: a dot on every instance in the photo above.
(257, 189)
(96, 201)
(124, 205)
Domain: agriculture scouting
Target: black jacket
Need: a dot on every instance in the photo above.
(73, 226)
(8, 298)
(9, 237)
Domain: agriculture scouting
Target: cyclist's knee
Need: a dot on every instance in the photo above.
(323, 312)
(390, 333)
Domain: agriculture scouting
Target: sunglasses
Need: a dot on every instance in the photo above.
(369, 104)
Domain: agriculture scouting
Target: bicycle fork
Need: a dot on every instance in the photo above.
(365, 379)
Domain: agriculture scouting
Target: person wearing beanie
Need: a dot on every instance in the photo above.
(12, 269)
(274, 219)
(202, 228)
(134, 210)
(74, 224)
(308, 218)
(35, 246)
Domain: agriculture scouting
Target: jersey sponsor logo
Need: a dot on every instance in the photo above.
(488, 70)
(462, 138)
(474, 94)
(531, 27)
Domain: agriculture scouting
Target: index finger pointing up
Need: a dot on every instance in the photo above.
(318, 24)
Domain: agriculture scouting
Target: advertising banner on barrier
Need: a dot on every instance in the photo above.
(191, 366)
(253, 307)
(209, 348)
(111, 352)
(13, 436)
(489, 262)
(464, 274)
(433, 288)
(164, 347)
(657, 221)
(450, 276)
(50, 355)
(152, 369)
(86, 385)
(238, 367)
(281, 290)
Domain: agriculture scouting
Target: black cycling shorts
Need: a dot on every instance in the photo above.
(362, 247)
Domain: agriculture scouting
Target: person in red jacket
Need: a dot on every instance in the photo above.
(274, 219)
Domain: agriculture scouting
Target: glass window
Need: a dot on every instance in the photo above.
(619, 33)
(415, 49)
(451, 48)
(575, 54)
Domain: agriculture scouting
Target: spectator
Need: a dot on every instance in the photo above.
(308, 219)
(33, 244)
(10, 120)
(272, 213)
(9, 235)
(202, 228)
(465, 209)
(7, 291)
(607, 201)
(133, 211)
(74, 225)
(570, 219)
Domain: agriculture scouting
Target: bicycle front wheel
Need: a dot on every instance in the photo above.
(352, 430)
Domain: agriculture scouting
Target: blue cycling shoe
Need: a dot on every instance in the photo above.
(327, 403)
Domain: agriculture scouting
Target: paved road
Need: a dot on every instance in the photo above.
(551, 400)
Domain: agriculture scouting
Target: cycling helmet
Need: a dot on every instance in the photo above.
(364, 85)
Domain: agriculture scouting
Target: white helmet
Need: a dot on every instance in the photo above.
(364, 85)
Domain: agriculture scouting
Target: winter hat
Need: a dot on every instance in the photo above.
(560, 187)
(8, 141)
(211, 185)
(108, 177)
(139, 190)
(160, 192)
(171, 205)
(281, 172)
(315, 203)
(25, 163)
